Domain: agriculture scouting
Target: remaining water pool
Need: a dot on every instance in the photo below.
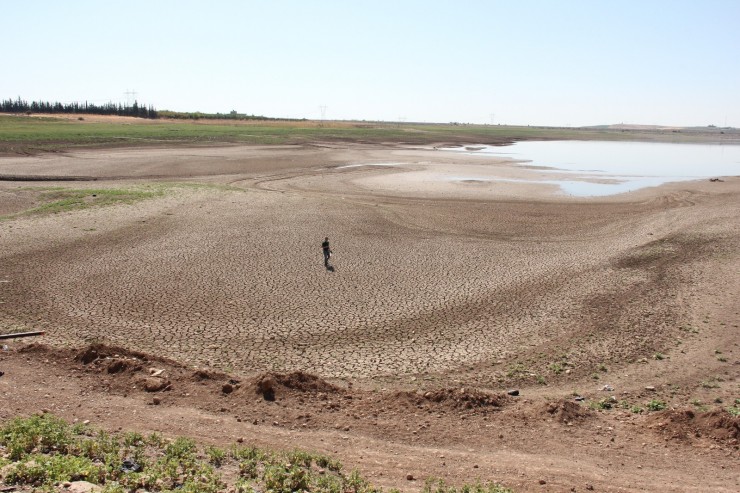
(627, 166)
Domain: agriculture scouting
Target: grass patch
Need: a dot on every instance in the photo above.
(38, 134)
(41, 451)
(55, 200)
(63, 200)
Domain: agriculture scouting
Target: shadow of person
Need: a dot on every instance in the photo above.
(330, 268)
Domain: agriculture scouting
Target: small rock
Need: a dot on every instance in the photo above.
(542, 481)
(650, 388)
(156, 401)
(153, 384)
(84, 487)
(240, 440)
(475, 466)
(409, 477)
(589, 487)
(227, 388)
(513, 392)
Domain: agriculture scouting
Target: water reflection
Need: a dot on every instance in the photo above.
(628, 166)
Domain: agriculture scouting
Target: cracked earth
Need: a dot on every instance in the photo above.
(434, 286)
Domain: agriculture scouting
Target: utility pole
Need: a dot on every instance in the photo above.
(130, 97)
(322, 108)
(492, 115)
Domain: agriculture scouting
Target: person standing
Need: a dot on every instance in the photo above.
(327, 251)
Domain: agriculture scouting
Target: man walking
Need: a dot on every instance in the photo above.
(327, 251)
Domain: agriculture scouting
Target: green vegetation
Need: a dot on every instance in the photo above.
(517, 370)
(656, 405)
(66, 199)
(43, 450)
(54, 200)
(556, 368)
(734, 410)
(700, 406)
(23, 134)
(602, 404)
(689, 329)
(439, 486)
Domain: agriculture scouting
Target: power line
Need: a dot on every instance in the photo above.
(130, 96)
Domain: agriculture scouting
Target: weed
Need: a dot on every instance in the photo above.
(439, 486)
(43, 451)
(155, 440)
(299, 457)
(602, 367)
(699, 405)
(656, 405)
(658, 356)
(216, 456)
(689, 329)
(557, 368)
(41, 434)
(517, 370)
(602, 404)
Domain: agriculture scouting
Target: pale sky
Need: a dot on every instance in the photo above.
(669, 62)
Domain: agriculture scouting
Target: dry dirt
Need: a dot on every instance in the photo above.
(442, 298)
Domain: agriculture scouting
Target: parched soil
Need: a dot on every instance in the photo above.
(208, 312)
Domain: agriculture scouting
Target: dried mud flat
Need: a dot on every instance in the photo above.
(398, 362)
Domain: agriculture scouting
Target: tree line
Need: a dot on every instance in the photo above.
(197, 115)
(110, 108)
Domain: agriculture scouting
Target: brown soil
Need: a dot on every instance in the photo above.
(443, 299)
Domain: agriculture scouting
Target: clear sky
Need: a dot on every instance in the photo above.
(669, 62)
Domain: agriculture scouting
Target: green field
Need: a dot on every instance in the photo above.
(20, 134)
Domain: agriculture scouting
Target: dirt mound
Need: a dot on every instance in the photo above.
(268, 384)
(96, 352)
(567, 411)
(685, 424)
(454, 398)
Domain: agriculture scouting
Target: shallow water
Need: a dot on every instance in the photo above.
(629, 166)
(357, 165)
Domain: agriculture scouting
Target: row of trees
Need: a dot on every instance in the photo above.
(21, 106)
(197, 115)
